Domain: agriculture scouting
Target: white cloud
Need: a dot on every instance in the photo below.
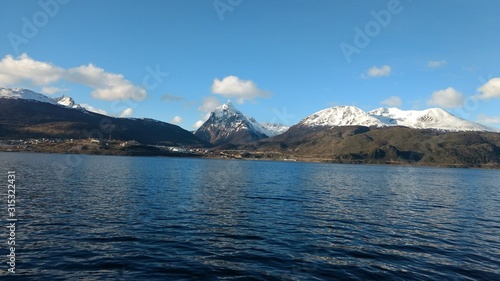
(490, 89)
(393, 101)
(176, 120)
(488, 119)
(436, 63)
(447, 98)
(52, 90)
(93, 109)
(241, 90)
(105, 85)
(24, 68)
(127, 112)
(198, 124)
(375, 71)
(209, 104)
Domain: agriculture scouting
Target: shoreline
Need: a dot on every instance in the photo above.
(224, 155)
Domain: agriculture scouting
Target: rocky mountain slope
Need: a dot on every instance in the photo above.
(383, 145)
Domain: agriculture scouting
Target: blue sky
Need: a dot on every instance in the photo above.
(278, 61)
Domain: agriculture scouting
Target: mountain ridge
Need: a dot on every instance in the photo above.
(28, 115)
(431, 118)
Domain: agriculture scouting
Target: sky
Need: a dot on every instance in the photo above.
(277, 61)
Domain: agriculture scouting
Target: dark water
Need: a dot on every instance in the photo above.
(134, 218)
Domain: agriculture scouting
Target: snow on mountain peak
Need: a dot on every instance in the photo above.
(225, 122)
(228, 117)
(65, 100)
(275, 129)
(432, 118)
(226, 110)
(18, 93)
(341, 116)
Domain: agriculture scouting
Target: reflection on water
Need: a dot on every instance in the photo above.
(168, 218)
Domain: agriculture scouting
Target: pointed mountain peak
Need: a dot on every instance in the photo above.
(65, 100)
(226, 109)
(227, 106)
(227, 124)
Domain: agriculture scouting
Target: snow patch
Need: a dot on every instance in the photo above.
(432, 118)
(275, 128)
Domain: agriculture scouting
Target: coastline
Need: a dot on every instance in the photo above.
(84, 148)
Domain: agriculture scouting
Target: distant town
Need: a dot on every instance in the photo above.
(119, 147)
(82, 145)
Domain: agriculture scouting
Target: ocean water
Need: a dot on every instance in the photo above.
(84, 217)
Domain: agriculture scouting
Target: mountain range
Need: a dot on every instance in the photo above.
(343, 134)
(432, 118)
(227, 124)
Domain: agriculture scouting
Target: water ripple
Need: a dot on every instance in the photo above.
(122, 218)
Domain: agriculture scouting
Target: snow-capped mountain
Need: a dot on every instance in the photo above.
(18, 93)
(227, 124)
(432, 118)
(275, 129)
(341, 116)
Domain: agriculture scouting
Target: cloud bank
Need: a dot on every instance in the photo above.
(105, 85)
